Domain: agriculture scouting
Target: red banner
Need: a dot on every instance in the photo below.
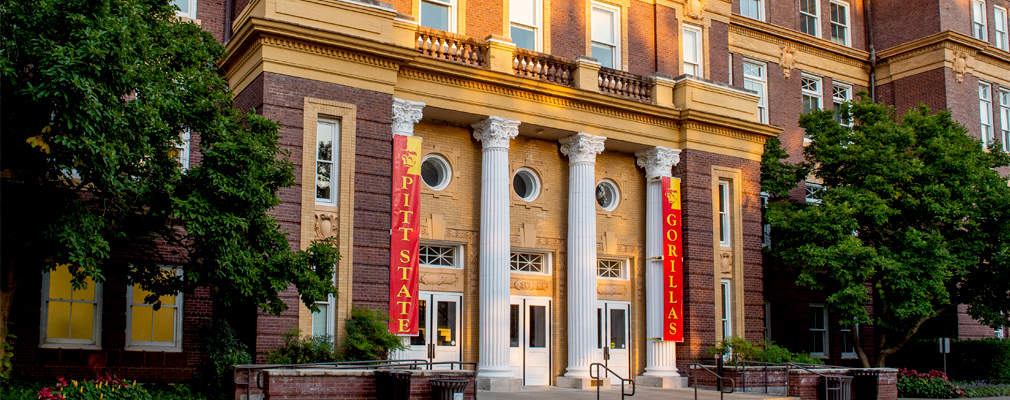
(673, 263)
(406, 233)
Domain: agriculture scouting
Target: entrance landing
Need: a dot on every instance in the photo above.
(642, 393)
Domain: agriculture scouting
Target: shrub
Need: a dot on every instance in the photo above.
(931, 385)
(107, 387)
(367, 336)
(298, 349)
(740, 349)
(222, 350)
(983, 389)
(969, 360)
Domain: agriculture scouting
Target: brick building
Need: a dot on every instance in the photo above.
(545, 126)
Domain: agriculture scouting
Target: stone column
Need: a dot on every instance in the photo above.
(581, 150)
(406, 113)
(494, 133)
(661, 356)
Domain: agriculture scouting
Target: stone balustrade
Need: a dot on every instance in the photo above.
(624, 84)
(452, 47)
(543, 67)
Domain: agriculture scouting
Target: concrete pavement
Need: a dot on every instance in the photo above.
(641, 393)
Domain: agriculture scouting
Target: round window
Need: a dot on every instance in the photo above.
(607, 195)
(526, 184)
(435, 172)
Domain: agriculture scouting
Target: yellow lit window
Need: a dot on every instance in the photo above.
(70, 318)
(150, 329)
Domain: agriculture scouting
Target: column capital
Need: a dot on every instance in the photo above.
(495, 132)
(658, 161)
(582, 147)
(406, 113)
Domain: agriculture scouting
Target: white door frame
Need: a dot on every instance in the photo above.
(531, 364)
(431, 350)
(620, 357)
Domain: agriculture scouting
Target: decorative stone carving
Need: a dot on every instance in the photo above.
(435, 279)
(326, 225)
(694, 8)
(582, 147)
(529, 284)
(787, 59)
(960, 65)
(406, 113)
(603, 289)
(658, 161)
(495, 131)
(726, 266)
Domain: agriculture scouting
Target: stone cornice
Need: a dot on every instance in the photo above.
(806, 44)
(980, 50)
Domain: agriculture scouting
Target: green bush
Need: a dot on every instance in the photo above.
(107, 388)
(298, 349)
(929, 385)
(222, 349)
(983, 389)
(969, 360)
(367, 336)
(740, 349)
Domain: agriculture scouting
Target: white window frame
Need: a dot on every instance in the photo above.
(616, 12)
(1004, 112)
(985, 112)
(815, 93)
(624, 267)
(537, 28)
(192, 10)
(766, 229)
(699, 54)
(810, 189)
(1002, 39)
(139, 345)
(335, 162)
(761, 81)
(845, 332)
(726, 318)
(768, 321)
(823, 331)
(182, 150)
(330, 329)
(846, 39)
(759, 8)
(548, 261)
(816, 16)
(979, 20)
(95, 343)
(729, 68)
(457, 258)
(846, 90)
(450, 4)
(725, 222)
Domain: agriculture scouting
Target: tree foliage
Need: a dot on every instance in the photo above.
(95, 96)
(913, 217)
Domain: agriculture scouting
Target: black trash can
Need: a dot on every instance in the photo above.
(392, 385)
(864, 383)
(448, 389)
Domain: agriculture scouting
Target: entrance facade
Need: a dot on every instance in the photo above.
(439, 329)
(530, 340)
(613, 328)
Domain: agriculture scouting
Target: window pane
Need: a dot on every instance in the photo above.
(818, 338)
(82, 321)
(523, 12)
(750, 8)
(599, 328)
(140, 325)
(58, 324)
(164, 324)
(817, 318)
(182, 4)
(319, 319)
(618, 336)
(422, 324)
(514, 325)
(59, 284)
(603, 26)
(446, 323)
(323, 180)
(604, 54)
(438, 256)
(525, 39)
(324, 142)
(690, 46)
(538, 326)
(434, 16)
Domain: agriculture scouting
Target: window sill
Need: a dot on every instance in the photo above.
(70, 346)
(157, 349)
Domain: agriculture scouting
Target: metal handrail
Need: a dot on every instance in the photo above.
(257, 369)
(598, 384)
(791, 365)
(722, 387)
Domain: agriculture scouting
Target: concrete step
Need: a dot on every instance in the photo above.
(641, 393)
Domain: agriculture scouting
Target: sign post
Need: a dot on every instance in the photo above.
(673, 263)
(944, 349)
(405, 235)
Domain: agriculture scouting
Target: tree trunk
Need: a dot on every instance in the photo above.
(9, 287)
(857, 339)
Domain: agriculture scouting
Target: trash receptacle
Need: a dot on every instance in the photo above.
(448, 389)
(392, 385)
(864, 383)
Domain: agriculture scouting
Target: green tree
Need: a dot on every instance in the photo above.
(95, 96)
(914, 217)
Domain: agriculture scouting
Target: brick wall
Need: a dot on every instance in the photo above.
(899, 21)
(642, 38)
(343, 384)
(718, 49)
(484, 18)
(568, 28)
(211, 16)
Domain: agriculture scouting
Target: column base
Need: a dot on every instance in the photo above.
(582, 382)
(665, 382)
(498, 384)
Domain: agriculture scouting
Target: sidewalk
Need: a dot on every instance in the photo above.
(642, 393)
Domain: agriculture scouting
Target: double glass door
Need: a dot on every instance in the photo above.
(438, 337)
(530, 340)
(612, 332)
